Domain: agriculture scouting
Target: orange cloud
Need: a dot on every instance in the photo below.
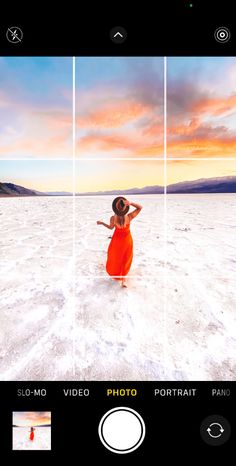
(156, 150)
(198, 138)
(107, 142)
(154, 130)
(200, 122)
(132, 144)
(203, 148)
(215, 106)
(104, 130)
(113, 115)
(31, 418)
(57, 146)
(184, 129)
(120, 121)
(38, 418)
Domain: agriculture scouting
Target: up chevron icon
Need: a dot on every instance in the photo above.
(118, 35)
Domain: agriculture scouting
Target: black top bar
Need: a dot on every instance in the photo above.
(176, 29)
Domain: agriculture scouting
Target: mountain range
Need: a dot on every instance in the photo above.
(10, 189)
(223, 184)
(42, 425)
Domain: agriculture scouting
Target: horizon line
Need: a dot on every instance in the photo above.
(113, 191)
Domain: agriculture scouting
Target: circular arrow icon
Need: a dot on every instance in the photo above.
(215, 430)
(219, 429)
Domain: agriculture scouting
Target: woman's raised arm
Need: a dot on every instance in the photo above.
(135, 212)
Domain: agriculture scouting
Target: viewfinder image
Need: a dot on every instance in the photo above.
(117, 211)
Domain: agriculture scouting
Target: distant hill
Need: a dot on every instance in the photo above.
(223, 184)
(10, 189)
(43, 425)
(146, 190)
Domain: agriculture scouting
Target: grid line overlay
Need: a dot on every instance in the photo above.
(165, 342)
(75, 162)
(74, 217)
(78, 159)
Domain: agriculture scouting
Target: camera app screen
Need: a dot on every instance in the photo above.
(117, 210)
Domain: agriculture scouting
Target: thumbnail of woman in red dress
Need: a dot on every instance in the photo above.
(31, 433)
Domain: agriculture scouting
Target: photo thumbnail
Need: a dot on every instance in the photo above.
(31, 430)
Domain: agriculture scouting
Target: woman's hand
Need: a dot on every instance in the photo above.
(126, 203)
(99, 223)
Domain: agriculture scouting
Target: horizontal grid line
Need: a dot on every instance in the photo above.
(120, 158)
(162, 159)
(113, 277)
(202, 158)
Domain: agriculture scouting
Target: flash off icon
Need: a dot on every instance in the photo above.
(14, 35)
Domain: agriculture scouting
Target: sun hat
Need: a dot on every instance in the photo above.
(117, 208)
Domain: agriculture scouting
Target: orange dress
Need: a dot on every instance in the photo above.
(120, 253)
(31, 435)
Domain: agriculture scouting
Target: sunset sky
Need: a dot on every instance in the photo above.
(42, 175)
(31, 418)
(201, 107)
(119, 107)
(189, 170)
(119, 104)
(101, 175)
(116, 174)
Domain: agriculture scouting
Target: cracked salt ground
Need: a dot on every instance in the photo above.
(121, 338)
(203, 344)
(115, 333)
(35, 286)
(42, 439)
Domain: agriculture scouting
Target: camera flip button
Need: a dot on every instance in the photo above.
(215, 430)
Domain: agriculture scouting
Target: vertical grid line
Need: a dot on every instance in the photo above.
(73, 224)
(165, 218)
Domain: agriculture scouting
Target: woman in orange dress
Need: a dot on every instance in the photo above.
(32, 433)
(120, 250)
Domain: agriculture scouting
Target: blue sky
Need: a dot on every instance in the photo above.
(35, 108)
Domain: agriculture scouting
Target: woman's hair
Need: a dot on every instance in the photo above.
(122, 204)
(121, 218)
